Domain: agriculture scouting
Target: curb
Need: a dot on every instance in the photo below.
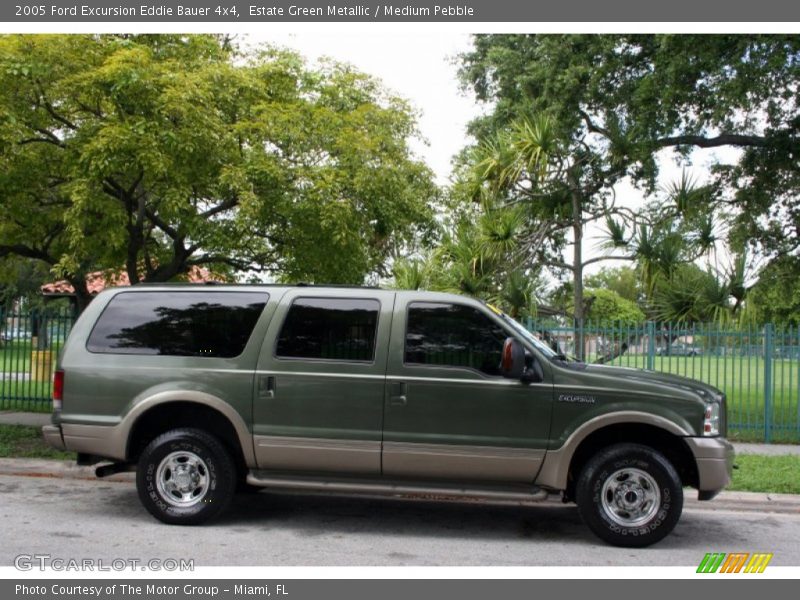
(725, 501)
(56, 469)
(746, 502)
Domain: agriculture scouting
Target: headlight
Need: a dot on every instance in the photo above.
(711, 419)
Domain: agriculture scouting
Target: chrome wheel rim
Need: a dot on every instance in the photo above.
(630, 497)
(182, 479)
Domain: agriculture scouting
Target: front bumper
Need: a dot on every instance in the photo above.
(53, 438)
(714, 459)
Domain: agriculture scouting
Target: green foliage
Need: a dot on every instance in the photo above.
(631, 95)
(607, 306)
(691, 294)
(524, 174)
(413, 274)
(164, 152)
(21, 278)
(623, 281)
(775, 297)
(475, 258)
(19, 441)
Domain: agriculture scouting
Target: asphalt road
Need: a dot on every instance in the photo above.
(73, 518)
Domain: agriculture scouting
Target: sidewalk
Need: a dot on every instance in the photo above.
(24, 418)
(40, 419)
(767, 449)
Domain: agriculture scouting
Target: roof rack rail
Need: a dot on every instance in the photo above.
(334, 285)
(257, 284)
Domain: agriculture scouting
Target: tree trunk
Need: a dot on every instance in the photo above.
(577, 272)
(82, 295)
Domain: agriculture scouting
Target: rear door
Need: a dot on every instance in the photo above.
(319, 389)
(449, 414)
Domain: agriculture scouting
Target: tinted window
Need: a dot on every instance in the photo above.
(213, 324)
(453, 335)
(329, 328)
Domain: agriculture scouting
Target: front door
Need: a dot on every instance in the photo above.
(319, 389)
(448, 412)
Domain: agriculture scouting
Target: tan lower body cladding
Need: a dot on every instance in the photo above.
(398, 459)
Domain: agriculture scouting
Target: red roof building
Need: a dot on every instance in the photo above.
(99, 280)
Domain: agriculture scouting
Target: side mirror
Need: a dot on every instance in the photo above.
(512, 362)
(533, 370)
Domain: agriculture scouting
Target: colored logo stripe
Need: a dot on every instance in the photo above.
(711, 562)
(734, 563)
(758, 563)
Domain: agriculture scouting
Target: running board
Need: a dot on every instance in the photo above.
(400, 489)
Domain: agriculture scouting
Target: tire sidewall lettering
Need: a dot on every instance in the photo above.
(599, 478)
(151, 495)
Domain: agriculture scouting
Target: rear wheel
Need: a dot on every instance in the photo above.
(629, 495)
(185, 477)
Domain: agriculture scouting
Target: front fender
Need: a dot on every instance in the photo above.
(555, 467)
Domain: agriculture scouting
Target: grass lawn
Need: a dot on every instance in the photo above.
(776, 474)
(17, 441)
(19, 390)
(28, 396)
(15, 357)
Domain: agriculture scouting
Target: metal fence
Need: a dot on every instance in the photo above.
(29, 344)
(758, 368)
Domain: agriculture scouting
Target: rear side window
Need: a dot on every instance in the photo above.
(453, 335)
(329, 329)
(211, 324)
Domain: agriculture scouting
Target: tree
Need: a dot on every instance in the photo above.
(161, 153)
(533, 170)
(20, 279)
(607, 306)
(775, 297)
(623, 281)
(475, 257)
(618, 100)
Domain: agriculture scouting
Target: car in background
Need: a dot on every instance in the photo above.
(679, 349)
(14, 333)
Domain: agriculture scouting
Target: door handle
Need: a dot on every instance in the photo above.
(397, 394)
(266, 387)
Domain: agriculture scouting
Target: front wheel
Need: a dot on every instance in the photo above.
(629, 495)
(185, 477)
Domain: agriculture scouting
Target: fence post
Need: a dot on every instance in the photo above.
(768, 382)
(651, 345)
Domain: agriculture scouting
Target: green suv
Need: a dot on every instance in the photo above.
(208, 389)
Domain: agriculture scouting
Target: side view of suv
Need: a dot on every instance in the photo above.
(202, 389)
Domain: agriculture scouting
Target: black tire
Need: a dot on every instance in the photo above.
(207, 477)
(629, 495)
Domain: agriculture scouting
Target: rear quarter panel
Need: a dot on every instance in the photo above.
(101, 389)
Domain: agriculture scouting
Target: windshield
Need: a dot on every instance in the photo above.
(519, 328)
